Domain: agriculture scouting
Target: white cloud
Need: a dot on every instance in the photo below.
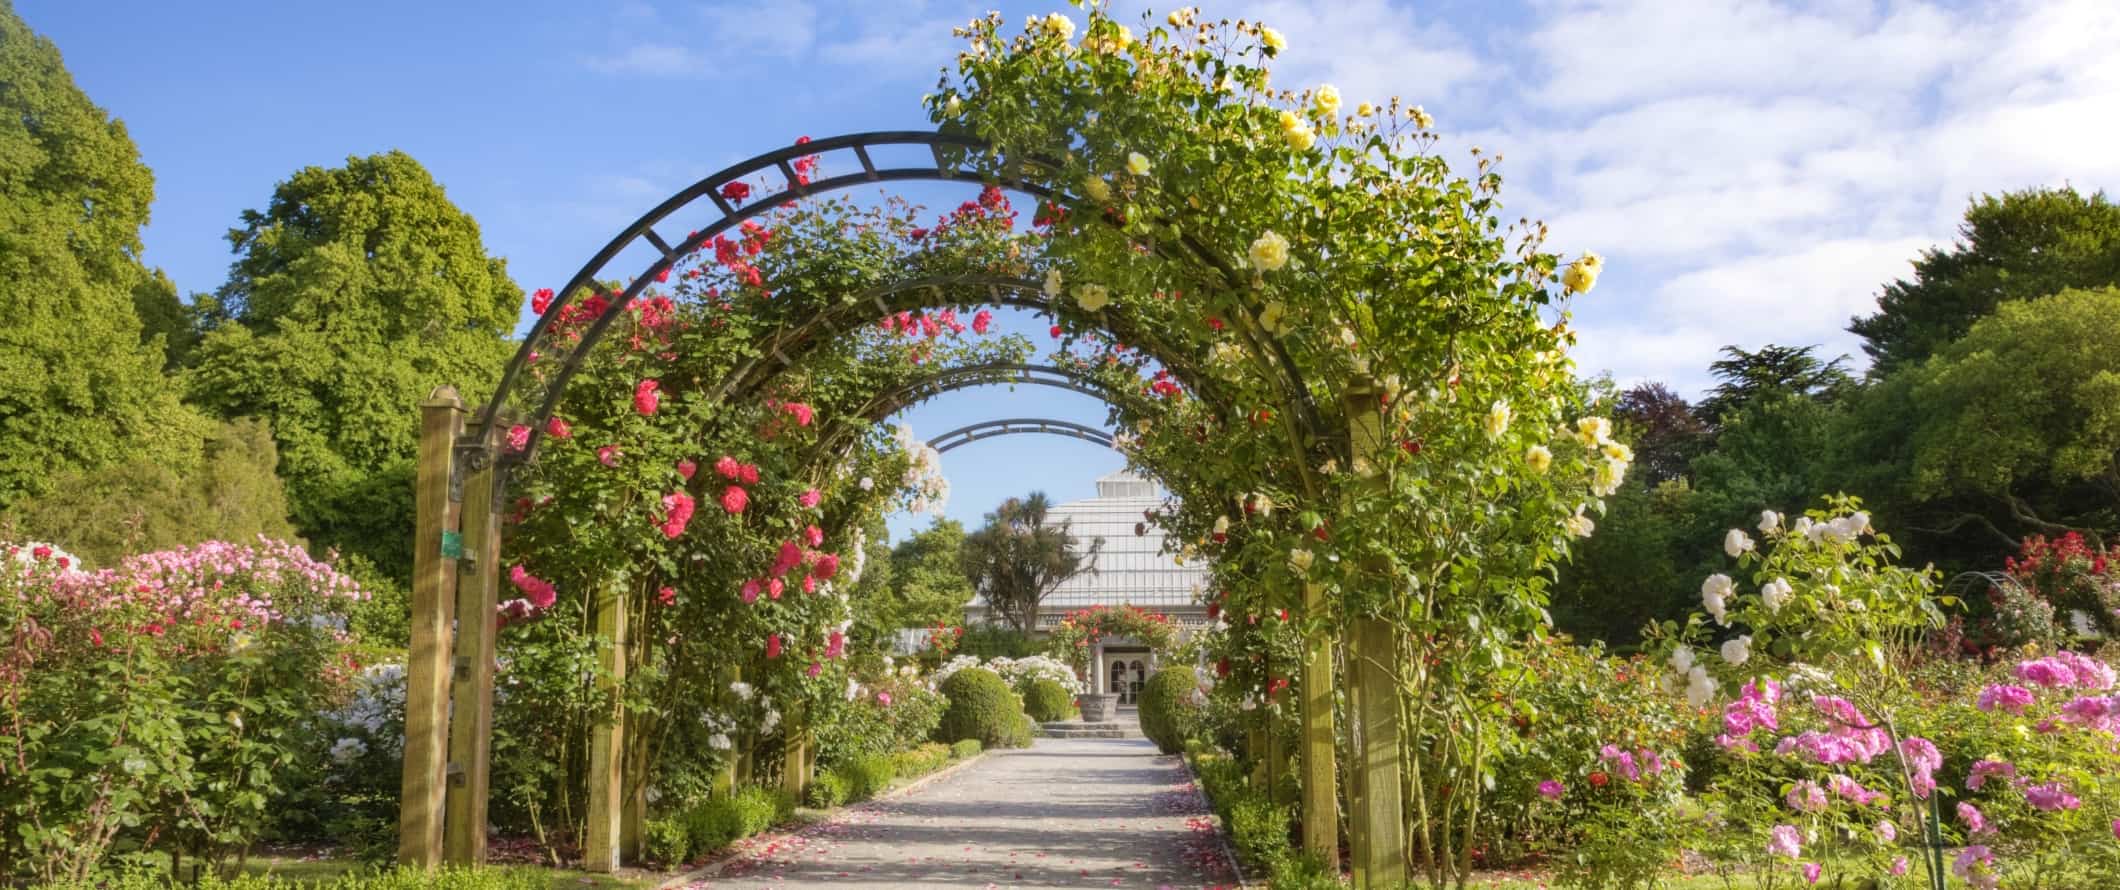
(654, 59)
(1369, 49)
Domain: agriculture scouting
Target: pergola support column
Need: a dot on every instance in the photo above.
(607, 739)
(478, 590)
(1321, 799)
(427, 674)
(1376, 822)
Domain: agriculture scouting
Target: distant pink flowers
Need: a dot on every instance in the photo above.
(1785, 840)
(1807, 797)
(558, 428)
(810, 499)
(518, 437)
(2067, 670)
(647, 397)
(608, 455)
(2050, 797)
(801, 412)
(1983, 770)
(1551, 790)
(2013, 699)
(686, 468)
(884, 699)
(734, 499)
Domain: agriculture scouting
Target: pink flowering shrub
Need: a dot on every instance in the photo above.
(161, 701)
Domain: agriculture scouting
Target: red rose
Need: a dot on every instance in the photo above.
(685, 469)
(737, 192)
(645, 397)
(1599, 779)
(733, 499)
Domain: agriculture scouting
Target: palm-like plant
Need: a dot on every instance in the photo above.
(1017, 559)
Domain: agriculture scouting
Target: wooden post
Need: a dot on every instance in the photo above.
(427, 671)
(1376, 820)
(634, 809)
(795, 763)
(607, 742)
(477, 593)
(1321, 798)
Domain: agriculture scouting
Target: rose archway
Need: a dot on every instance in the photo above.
(1323, 342)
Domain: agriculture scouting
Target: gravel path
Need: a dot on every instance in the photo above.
(1063, 813)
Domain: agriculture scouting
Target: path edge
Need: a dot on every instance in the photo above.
(714, 869)
(1229, 853)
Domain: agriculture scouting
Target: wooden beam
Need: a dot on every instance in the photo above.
(421, 795)
(797, 760)
(1378, 820)
(607, 741)
(477, 593)
(1321, 798)
(1375, 821)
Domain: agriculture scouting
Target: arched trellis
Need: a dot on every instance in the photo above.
(463, 477)
(1017, 426)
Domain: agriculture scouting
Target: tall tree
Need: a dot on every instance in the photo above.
(1017, 559)
(353, 294)
(2018, 427)
(2015, 246)
(1665, 432)
(1751, 377)
(78, 389)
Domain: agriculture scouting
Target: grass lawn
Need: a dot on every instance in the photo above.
(303, 870)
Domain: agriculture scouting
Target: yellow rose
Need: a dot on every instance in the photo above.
(1328, 99)
(1300, 138)
(1060, 26)
(1619, 451)
(1593, 431)
(1097, 190)
(1273, 317)
(1581, 275)
(1364, 110)
(1272, 40)
(1420, 118)
(1092, 297)
(952, 107)
(1539, 458)
(1180, 18)
(1269, 253)
(1053, 283)
(1137, 164)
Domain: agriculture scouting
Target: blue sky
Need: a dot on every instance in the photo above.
(1752, 171)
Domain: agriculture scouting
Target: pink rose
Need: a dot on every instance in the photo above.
(734, 499)
(646, 398)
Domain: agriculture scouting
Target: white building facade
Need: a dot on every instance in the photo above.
(1131, 570)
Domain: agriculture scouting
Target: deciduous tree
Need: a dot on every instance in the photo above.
(1018, 558)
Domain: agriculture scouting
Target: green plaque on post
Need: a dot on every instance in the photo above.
(452, 545)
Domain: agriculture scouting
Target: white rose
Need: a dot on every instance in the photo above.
(1092, 297)
(1714, 593)
(1301, 560)
(1700, 688)
(1053, 283)
(1498, 419)
(1610, 473)
(1681, 659)
(1269, 252)
(1137, 164)
(1737, 651)
(1769, 521)
(1776, 594)
(1060, 26)
(1579, 525)
(1736, 543)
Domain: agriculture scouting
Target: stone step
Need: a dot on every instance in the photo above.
(1089, 733)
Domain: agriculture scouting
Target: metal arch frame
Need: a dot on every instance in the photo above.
(948, 380)
(781, 160)
(1018, 426)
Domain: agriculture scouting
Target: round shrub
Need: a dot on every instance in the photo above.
(981, 707)
(1047, 701)
(1167, 711)
(666, 842)
(1021, 735)
(828, 790)
(966, 748)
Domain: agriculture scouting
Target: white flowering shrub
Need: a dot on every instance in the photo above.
(926, 491)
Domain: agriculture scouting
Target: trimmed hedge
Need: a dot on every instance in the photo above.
(724, 819)
(966, 748)
(923, 760)
(983, 707)
(1167, 711)
(400, 879)
(1047, 701)
(828, 789)
(666, 842)
(870, 776)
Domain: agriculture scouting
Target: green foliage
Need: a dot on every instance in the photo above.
(228, 490)
(2018, 425)
(921, 760)
(723, 819)
(354, 293)
(449, 878)
(869, 776)
(666, 842)
(829, 789)
(963, 748)
(2014, 246)
(866, 726)
(982, 707)
(1047, 701)
(923, 583)
(1015, 560)
(990, 641)
(78, 387)
(1167, 708)
(1771, 372)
